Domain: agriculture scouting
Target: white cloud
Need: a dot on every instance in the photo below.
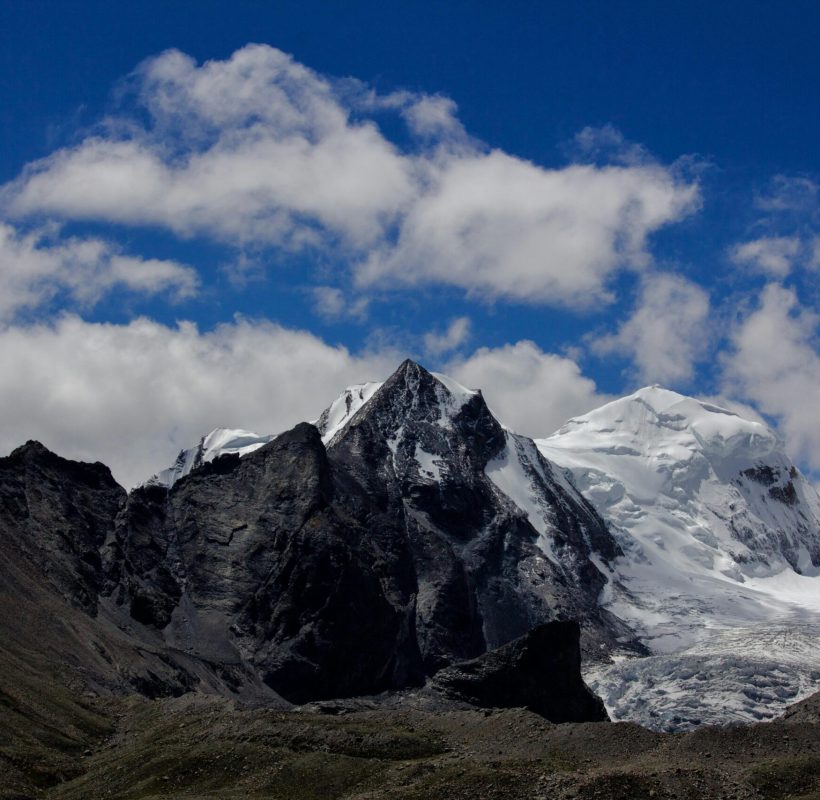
(503, 227)
(667, 332)
(251, 187)
(607, 142)
(531, 391)
(775, 364)
(433, 117)
(772, 255)
(258, 150)
(331, 303)
(787, 193)
(458, 332)
(133, 395)
(35, 267)
(814, 259)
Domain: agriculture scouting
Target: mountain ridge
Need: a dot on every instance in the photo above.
(469, 535)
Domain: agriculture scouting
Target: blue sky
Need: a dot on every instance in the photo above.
(222, 213)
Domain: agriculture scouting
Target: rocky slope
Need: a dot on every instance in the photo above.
(200, 747)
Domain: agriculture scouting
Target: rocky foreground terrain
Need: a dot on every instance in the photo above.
(57, 745)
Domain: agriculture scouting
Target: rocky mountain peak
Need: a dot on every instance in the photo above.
(58, 513)
(428, 414)
(32, 448)
(35, 455)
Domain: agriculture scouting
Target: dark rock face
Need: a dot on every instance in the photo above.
(540, 671)
(57, 513)
(313, 573)
(423, 454)
(276, 560)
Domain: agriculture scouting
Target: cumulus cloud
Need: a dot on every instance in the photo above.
(775, 364)
(259, 150)
(37, 266)
(502, 227)
(530, 391)
(772, 255)
(667, 332)
(457, 333)
(133, 395)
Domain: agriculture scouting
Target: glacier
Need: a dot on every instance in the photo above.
(721, 565)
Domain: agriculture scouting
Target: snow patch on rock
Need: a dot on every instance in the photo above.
(219, 442)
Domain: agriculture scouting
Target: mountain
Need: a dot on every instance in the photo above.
(499, 540)
(392, 569)
(340, 411)
(367, 564)
(407, 532)
(280, 570)
(720, 535)
(707, 563)
(235, 441)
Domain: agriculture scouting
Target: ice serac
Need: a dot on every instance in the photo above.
(219, 442)
(720, 570)
(499, 542)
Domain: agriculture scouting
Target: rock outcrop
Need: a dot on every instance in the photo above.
(540, 671)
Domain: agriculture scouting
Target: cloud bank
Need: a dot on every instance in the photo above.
(133, 395)
(258, 150)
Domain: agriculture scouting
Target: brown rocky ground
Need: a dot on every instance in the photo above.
(201, 747)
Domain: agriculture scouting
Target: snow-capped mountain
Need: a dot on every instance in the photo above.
(711, 559)
(219, 442)
(721, 540)
(414, 534)
(340, 411)
(500, 538)
(230, 441)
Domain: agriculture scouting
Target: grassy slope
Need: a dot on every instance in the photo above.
(197, 747)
